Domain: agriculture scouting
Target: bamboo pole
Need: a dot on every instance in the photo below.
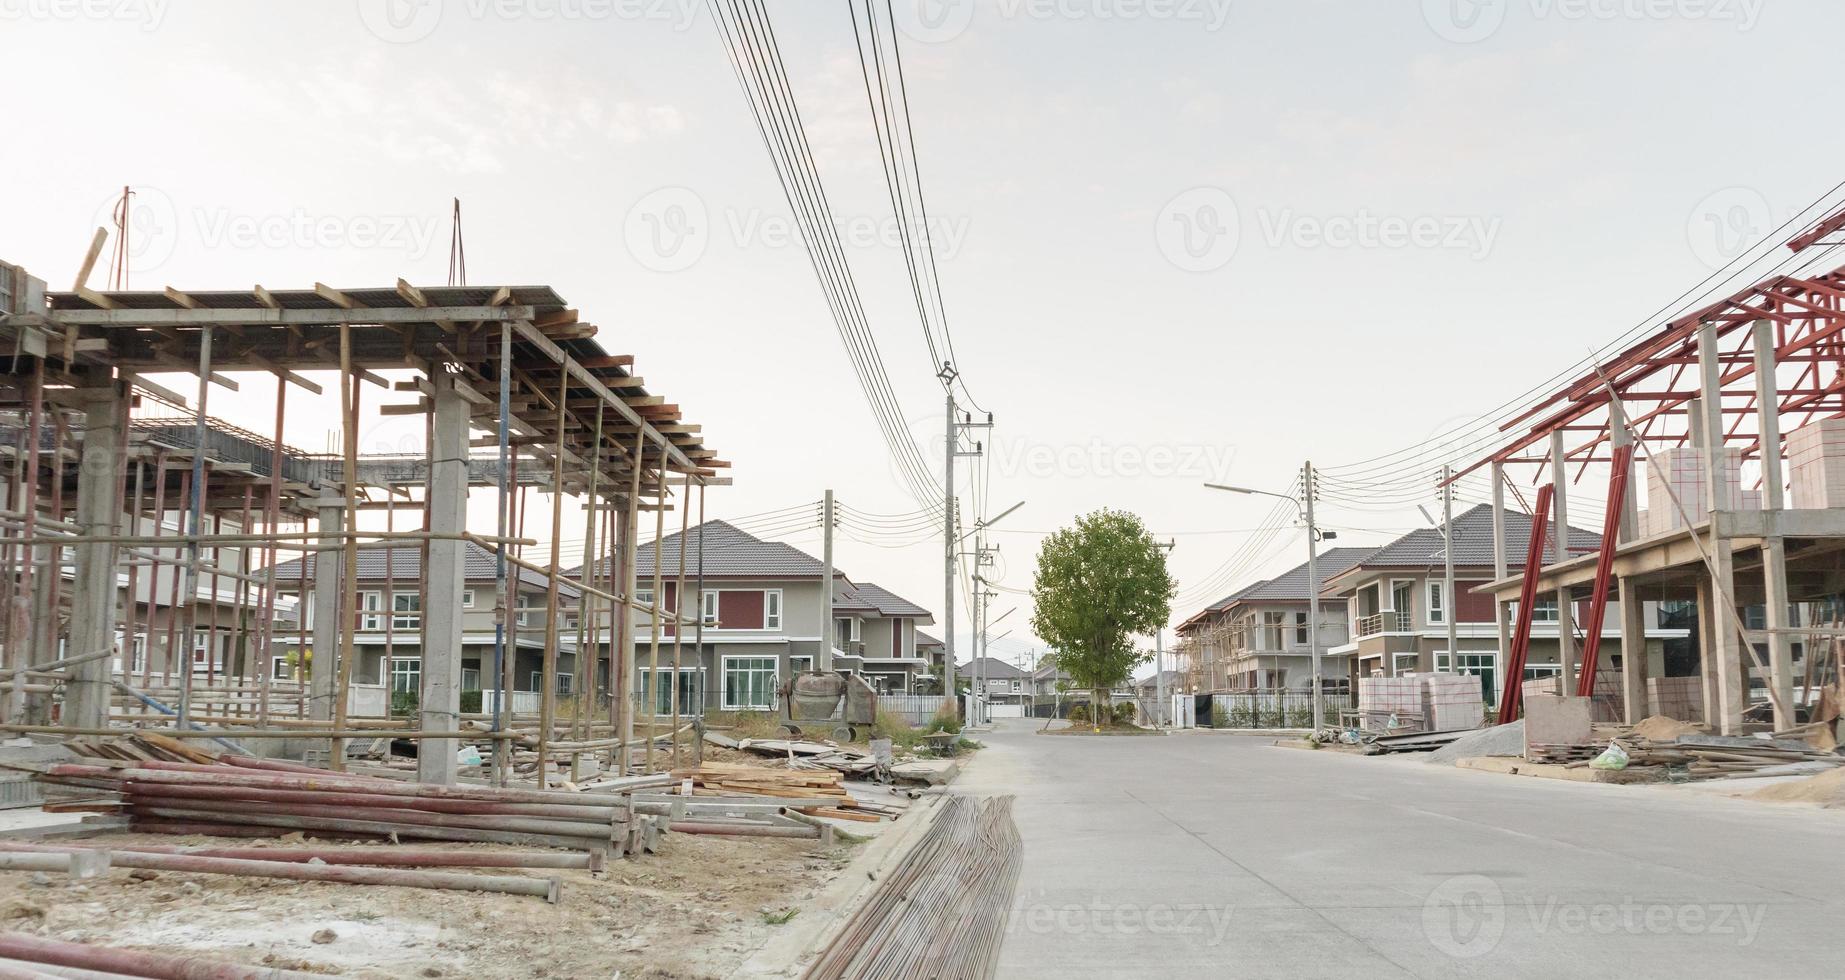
(679, 605)
(625, 642)
(659, 589)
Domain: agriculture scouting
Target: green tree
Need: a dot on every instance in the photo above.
(1098, 584)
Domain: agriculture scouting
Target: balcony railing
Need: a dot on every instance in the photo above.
(1384, 622)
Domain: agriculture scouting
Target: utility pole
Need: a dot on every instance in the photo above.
(1159, 657)
(951, 449)
(950, 540)
(1449, 601)
(1308, 491)
(825, 660)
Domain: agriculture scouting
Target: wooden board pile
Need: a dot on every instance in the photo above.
(730, 779)
(1562, 754)
(1721, 756)
(240, 796)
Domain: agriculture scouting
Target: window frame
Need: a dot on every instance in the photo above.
(1437, 602)
(771, 609)
(370, 611)
(411, 667)
(407, 619)
(726, 669)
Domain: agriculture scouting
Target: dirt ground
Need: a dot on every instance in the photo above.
(693, 910)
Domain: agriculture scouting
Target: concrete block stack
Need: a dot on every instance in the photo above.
(1437, 702)
(1382, 699)
(1680, 698)
(1452, 702)
(1815, 455)
(1680, 471)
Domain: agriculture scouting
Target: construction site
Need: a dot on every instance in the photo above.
(213, 648)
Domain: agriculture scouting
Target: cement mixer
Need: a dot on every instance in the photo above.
(815, 701)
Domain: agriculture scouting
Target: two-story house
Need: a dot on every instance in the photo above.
(760, 622)
(1004, 683)
(389, 618)
(1400, 612)
(1257, 638)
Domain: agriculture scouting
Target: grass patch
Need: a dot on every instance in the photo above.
(746, 724)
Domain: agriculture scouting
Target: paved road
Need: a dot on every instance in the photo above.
(1210, 855)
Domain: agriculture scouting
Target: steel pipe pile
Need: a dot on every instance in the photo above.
(943, 911)
(279, 799)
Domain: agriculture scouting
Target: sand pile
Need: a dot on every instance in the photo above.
(1499, 740)
(1659, 728)
(1827, 788)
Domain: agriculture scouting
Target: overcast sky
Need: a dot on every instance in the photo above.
(1179, 241)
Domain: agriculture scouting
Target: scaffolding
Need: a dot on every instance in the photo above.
(144, 540)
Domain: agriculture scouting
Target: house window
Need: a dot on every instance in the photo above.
(1538, 671)
(798, 662)
(843, 633)
(749, 683)
(470, 679)
(467, 598)
(662, 697)
(708, 606)
(772, 609)
(139, 656)
(1405, 663)
(406, 610)
(1438, 603)
(1485, 666)
(1544, 611)
(406, 675)
(644, 596)
(563, 682)
(1300, 629)
(1015, 687)
(369, 605)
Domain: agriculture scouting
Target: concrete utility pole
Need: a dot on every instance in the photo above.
(825, 660)
(1450, 602)
(1308, 490)
(1159, 657)
(949, 545)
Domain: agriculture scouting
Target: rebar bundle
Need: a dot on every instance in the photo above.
(942, 913)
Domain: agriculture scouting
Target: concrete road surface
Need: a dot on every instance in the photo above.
(1210, 855)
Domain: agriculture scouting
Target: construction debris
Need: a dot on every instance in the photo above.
(806, 786)
(1696, 756)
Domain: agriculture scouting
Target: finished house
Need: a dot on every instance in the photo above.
(1257, 638)
(759, 622)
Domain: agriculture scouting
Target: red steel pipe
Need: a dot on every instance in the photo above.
(555, 811)
(603, 831)
(135, 962)
(546, 888)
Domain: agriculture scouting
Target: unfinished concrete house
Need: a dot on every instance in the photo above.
(1713, 451)
(165, 569)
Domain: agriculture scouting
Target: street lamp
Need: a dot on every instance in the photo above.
(1305, 507)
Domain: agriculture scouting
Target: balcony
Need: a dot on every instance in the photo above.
(1384, 622)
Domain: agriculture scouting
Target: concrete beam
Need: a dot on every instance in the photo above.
(264, 316)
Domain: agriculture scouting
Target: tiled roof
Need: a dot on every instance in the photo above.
(406, 567)
(925, 640)
(888, 603)
(1473, 542)
(1294, 585)
(727, 553)
(991, 669)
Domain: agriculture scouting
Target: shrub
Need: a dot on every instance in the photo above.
(470, 702)
(1124, 713)
(1079, 714)
(403, 703)
(946, 720)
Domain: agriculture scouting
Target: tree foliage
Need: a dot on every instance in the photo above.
(1098, 584)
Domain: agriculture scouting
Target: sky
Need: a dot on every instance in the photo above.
(1179, 241)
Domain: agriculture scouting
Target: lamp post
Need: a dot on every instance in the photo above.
(1305, 506)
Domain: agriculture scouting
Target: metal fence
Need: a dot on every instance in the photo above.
(1269, 709)
(915, 709)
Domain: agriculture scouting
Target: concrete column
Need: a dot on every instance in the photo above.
(1560, 517)
(93, 597)
(439, 705)
(1630, 504)
(1633, 652)
(1774, 547)
(1731, 692)
(1707, 651)
(323, 667)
